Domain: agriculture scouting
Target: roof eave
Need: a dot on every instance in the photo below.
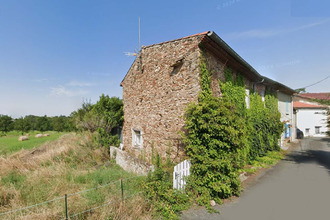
(231, 52)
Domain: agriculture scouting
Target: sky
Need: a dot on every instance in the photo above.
(57, 54)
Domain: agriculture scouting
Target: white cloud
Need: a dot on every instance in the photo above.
(278, 65)
(40, 80)
(62, 91)
(264, 33)
(80, 84)
(227, 3)
(99, 74)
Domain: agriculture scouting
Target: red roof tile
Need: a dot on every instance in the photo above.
(305, 105)
(324, 95)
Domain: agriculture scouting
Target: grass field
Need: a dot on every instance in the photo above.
(69, 165)
(10, 144)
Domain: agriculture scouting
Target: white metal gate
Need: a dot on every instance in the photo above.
(181, 171)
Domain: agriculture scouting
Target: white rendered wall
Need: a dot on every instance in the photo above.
(309, 118)
(285, 107)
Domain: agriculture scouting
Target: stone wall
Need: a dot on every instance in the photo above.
(130, 163)
(217, 68)
(160, 84)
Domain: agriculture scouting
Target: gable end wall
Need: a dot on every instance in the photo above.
(155, 100)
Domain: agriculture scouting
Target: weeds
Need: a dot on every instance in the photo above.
(68, 165)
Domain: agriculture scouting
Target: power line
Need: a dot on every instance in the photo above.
(317, 82)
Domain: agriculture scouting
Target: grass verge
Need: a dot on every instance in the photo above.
(70, 165)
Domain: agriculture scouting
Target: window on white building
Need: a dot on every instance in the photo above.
(317, 129)
(137, 138)
(287, 107)
(247, 98)
(307, 131)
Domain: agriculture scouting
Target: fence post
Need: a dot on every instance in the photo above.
(66, 207)
(122, 189)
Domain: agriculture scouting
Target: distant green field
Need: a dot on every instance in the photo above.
(10, 144)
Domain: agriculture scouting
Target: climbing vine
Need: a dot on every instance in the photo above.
(214, 142)
(264, 118)
(222, 135)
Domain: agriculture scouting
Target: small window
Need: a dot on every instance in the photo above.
(317, 129)
(137, 138)
(177, 66)
(307, 131)
(262, 94)
(247, 98)
(287, 107)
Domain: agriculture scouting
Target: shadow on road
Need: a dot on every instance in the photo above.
(318, 156)
(327, 139)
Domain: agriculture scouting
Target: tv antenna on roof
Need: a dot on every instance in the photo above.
(136, 50)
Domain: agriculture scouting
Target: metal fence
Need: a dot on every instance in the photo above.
(93, 198)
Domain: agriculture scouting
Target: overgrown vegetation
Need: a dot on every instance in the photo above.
(223, 135)
(159, 192)
(66, 166)
(105, 117)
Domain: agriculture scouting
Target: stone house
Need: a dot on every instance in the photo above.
(164, 79)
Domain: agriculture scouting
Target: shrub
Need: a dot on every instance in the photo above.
(222, 135)
(215, 143)
(159, 193)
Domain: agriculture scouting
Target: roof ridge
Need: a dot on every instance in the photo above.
(169, 41)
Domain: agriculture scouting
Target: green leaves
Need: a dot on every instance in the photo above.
(214, 141)
(264, 119)
(159, 191)
(222, 135)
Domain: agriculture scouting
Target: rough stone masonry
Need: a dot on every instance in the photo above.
(161, 82)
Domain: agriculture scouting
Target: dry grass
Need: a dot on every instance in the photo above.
(66, 166)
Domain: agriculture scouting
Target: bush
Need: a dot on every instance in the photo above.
(159, 192)
(105, 117)
(215, 143)
(222, 136)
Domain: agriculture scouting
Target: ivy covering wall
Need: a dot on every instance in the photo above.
(222, 135)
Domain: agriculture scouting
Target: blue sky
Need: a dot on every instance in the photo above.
(56, 53)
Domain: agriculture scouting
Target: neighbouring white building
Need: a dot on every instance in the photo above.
(311, 119)
(285, 107)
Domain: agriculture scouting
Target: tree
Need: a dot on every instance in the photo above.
(6, 123)
(31, 120)
(300, 90)
(21, 125)
(111, 115)
(60, 123)
(106, 117)
(43, 124)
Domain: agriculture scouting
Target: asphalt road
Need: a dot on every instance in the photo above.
(297, 188)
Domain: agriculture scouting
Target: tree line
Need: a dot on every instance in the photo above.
(36, 123)
(104, 119)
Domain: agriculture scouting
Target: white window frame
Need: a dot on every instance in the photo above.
(262, 94)
(137, 138)
(247, 98)
(307, 131)
(317, 129)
